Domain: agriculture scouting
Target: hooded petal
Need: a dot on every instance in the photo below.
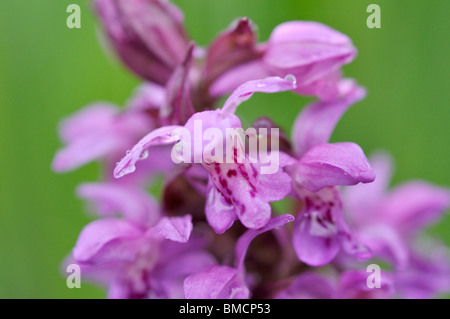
(108, 240)
(306, 32)
(308, 50)
(315, 124)
(333, 164)
(216, 282)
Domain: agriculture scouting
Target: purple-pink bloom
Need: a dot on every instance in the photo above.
(389, 222)
(216, 173)
(104, 132)
(137, 262)
(320, 231)
(310, 51)
(427, 274)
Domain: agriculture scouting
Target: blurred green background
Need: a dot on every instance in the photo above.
(48, 71)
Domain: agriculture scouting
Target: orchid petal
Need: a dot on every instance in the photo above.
(245, 240)
(175, 228)
(233, 78)
(219, 214)
(216, 282)
(107, 240)
(161, 136)
(165, 20)
(178, 107)
(414, 205)
(387, 243)
(315, 239)
(316, 122)
(249, 191)
(234, 46)
(333, 164)
(84, 150)
(308, 31)
(309, 286)
(97, 131)
(246, 90)
(361, 201)
(353, 285)
(308, 50)
(148, 96)
(132, 202)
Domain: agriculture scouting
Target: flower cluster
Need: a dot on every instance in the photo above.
(214, 232)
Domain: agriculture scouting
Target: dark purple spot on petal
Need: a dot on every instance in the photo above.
(231, 173)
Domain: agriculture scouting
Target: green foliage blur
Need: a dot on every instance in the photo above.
(48, 71)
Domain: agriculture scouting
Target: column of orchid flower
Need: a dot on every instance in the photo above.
(194, 242)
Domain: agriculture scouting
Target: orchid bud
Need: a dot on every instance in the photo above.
(148, 35)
